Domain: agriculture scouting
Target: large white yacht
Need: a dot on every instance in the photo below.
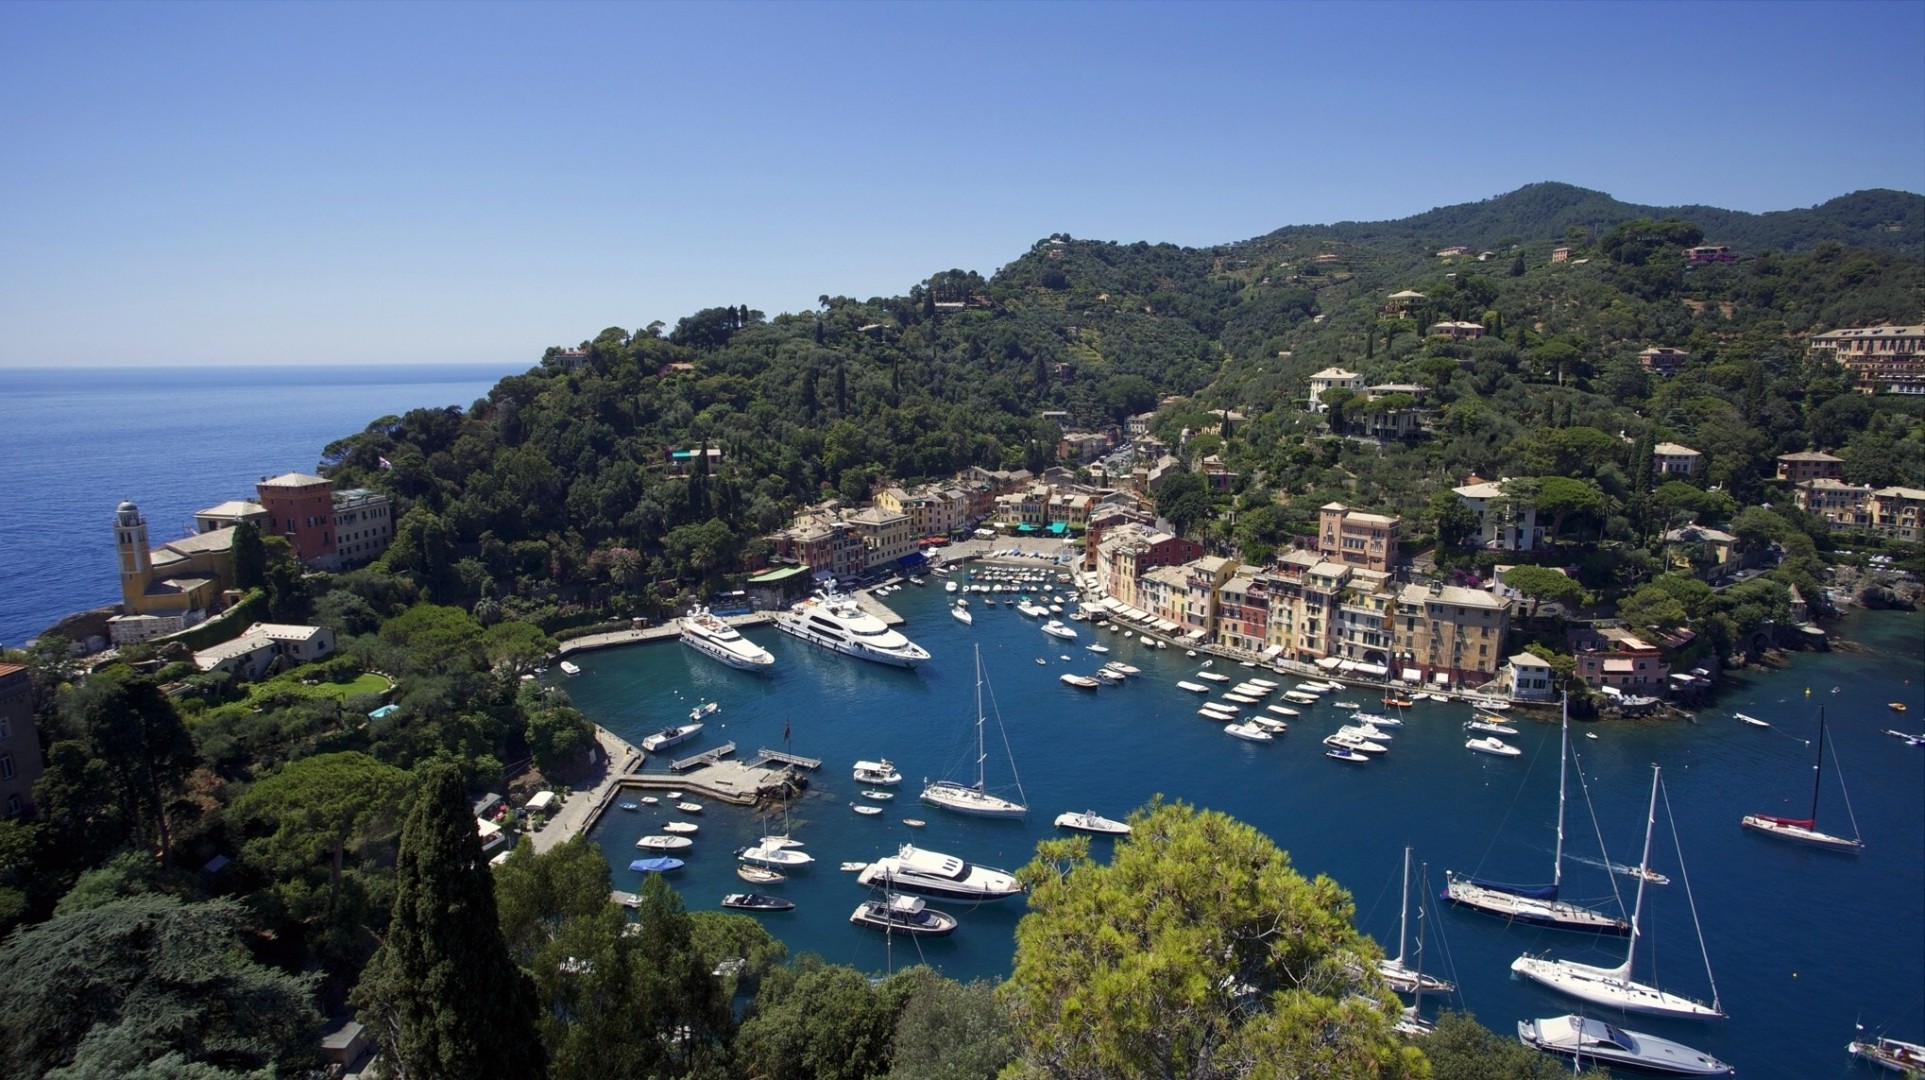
(836, 622)
(932, 873)
(707, 634)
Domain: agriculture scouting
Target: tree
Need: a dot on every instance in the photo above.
(250, 557)
(150, 982)
(126, 736)
(1543, 584)
(513, 647)
(1184, 498)
(313, 814)
(1652, 608)
(815, 1021)
(441, 995)
(1456, 522)
(1197, 951)
(950, 1031)
(1561, 497)
(1462, 1049)
(1338, 403)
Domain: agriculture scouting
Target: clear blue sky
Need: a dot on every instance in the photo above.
(285, 182)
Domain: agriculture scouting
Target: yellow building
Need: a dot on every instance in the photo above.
(171, 587)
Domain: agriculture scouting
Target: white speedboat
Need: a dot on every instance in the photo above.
(1127, 669)
(569, 667)
(1590, 1041)
(1282, 710)
(1270, 724)
(1353, 742)
(1057, 628)
(877, 772)
(1097, 647)
(865, 811)
(1213, 711)
(1491, 744)
(673, 736)
(685, 828)
(775, 858)
(838, 623)
(1194, 688)
(1241, 699)
(1752, 720)
(932, 873)
(1212, 676)
(1248, 733)
(1300, 699)
(1090, 821)
(707, 634)
(664, 843)
(903, 915)
(1489, 727)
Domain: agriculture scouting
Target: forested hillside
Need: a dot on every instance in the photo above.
(551, 490)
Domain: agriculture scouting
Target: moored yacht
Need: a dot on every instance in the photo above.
(877, 772)
(903, 915)
(673, 736)
(838, 623)
(932, 873)
(1593, 1042)
(707, 634)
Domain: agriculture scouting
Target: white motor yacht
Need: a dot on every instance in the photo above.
(1090, 821)
(1590, 1041)
(707, 634)
(877, 772)
(837, 622)
(1057, 628)
(932, 873)
(668, 737)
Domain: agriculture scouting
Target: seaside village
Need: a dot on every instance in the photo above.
(1347, 601)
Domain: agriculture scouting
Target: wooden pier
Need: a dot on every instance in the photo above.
(706, 757)
(764, 756)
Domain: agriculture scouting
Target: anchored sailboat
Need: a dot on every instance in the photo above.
(1614, 986)
(976, 799)
(1537, 904)
(1805, 830)
(1401, 977)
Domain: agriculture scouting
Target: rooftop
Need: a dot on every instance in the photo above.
(294, 480)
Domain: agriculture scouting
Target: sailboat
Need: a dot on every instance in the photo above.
(1401, 977)
(976, 799)
(1613, 986)
(1537, 904)
(1805, 830)
(1412, 1023)
(778, 851)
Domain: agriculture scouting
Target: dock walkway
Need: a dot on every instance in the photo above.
(665, 632)
(706, 757)
(765, 755)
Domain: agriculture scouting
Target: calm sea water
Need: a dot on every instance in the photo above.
(174, 440)
(1803, 944)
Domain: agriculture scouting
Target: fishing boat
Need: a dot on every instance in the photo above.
(1752, 720)
(664, 843)
(1090, 821)
(660, 864)
(1805, 829)
(1080, 682)
(976, 799)
(748, 901)
(1613, 986)
(877, 772)
(1248, 733)
(1537, 904)
(903, 915)
(1591, 1042)
(759, 875)
(672, 736)
(706, 633)
(1403, 978)
(1899, 1057)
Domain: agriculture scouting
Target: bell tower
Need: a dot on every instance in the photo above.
(130, 542)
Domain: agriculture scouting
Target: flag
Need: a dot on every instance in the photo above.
(785, 729)
(385, 463)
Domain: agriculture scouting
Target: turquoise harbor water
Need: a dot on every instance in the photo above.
(1803, 943)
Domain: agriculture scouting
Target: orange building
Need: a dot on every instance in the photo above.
(300, 508)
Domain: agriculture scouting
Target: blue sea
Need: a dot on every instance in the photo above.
(77, 441)
(1803, 944)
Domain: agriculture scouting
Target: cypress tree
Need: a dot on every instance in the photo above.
(441, 994)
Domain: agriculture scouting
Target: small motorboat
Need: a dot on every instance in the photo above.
(1282, 710)
(628, 806)
(1248, 733)
(1752, 720)
(1219, 713)
(1351, 705)
(1042, 661)
(1090, 821)
(759, 875)
(1205, 663)
(853, 867)
(865, 811)
(879, 796)
(1081, 682)
(914, 823)
(1241, 699)
(1194, 688)
(1489, 727)
(1353, 741)
(1590, 734)
(1109, 675)
(686, 828)
(689, 807)
(877, 772)
(672, 795)
(748, 901)
(664, 843)
(660, 864)
(1097, 647)
(1189, 652)
(1344, 753)
(1895, 706)
(1491, 744)
(1270, 724)
(1910, 740)
(1211, 676)
(903, 914)
(570, 668)
(649, 800)
(1399, 703)
(1299, 698)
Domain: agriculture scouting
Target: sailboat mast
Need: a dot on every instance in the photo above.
(982, 778)
(1403, 912)
(1563, 767)
(1818, 770)
(1644, 874)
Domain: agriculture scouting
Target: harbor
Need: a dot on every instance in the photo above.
(1792, 998)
